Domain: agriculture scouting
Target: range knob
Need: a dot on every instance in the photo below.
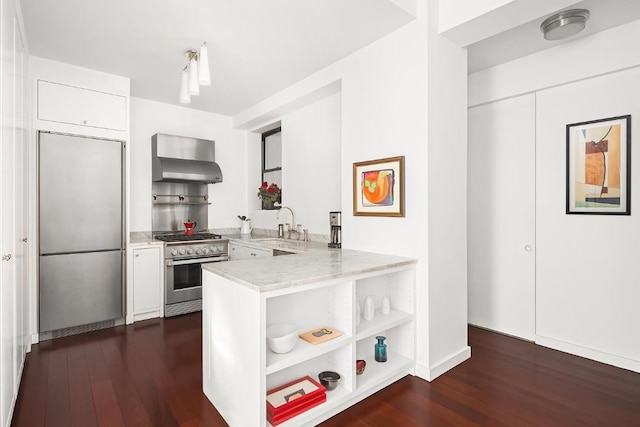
(182, 251)
(198, 251)
(189, 251)
(215, 249)
(174, 252)
(205, 251)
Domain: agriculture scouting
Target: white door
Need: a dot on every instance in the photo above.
(7, 202)
(21, 207)
(501, 216)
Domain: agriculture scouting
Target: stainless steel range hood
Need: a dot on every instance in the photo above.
(183, 159)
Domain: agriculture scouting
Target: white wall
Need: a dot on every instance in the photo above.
(311, 159)
(586, 297)
(447, 206)
(587, 291)
(311, 181)
(598, 54)
(456, 12)
(469, 21)
(384, 113)
(228, 198)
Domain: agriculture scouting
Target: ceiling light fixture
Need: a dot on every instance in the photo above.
(564, 24)
(195, 73)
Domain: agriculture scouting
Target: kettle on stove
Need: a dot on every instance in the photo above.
(189, 226)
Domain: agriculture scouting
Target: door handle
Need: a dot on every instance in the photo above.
(6, 257)
(24, 240)
(528, 248)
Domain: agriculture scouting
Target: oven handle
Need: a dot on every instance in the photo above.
(197, 261)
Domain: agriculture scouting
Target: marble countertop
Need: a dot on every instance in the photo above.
(146, 237)
(310, 262)
(143, 238)
(317, 263)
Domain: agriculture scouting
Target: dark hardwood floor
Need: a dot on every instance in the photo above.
(149, 374)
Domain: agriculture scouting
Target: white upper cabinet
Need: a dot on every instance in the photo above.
(78, 106)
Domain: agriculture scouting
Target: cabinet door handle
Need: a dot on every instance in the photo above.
(137, 255)
(24, 240)
(528, 248)
(6, 257)
(84, 122)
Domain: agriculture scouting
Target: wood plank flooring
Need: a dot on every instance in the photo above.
(149, 374)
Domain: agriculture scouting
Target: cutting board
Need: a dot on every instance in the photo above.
(320, 335)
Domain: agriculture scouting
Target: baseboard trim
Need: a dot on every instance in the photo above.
(443, 366)
(598, 356)
(145, 316)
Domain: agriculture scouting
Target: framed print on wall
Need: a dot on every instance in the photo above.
(599, 167)
(378, 187)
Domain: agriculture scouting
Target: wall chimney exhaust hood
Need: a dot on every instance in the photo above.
(183, 159)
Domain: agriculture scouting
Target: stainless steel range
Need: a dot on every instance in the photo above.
(184, 256)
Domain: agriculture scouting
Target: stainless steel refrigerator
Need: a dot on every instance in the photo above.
(81, 230)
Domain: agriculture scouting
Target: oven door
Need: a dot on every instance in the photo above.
(183, 279)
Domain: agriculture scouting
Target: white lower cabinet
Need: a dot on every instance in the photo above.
(239, 251)
(146, 283)
(250, 368)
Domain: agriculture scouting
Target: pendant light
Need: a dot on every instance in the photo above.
(204, 78)
(195, 73)
(194, 87)
(185, 98)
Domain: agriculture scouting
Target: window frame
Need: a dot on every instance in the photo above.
(265, 135)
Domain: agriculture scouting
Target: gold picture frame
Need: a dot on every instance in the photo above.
(378, 187)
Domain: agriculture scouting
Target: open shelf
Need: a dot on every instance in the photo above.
(382, 322)
(377, 372)
(303, 351)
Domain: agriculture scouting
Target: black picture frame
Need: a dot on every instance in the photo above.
(598, 155)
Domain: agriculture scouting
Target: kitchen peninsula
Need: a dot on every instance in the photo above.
(317, 287)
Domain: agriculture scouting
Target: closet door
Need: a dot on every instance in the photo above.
(501, 216)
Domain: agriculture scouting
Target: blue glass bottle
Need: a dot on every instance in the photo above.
(381, 349)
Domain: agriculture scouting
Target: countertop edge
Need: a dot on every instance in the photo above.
(312, 278)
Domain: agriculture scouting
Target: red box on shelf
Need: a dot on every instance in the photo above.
(291, 399)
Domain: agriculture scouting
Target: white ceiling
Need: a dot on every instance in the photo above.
(256, 47)
(527, 39)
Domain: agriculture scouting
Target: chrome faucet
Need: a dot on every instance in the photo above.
(293, 219)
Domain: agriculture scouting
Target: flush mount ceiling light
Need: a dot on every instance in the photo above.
(195, 73)
(564, 24)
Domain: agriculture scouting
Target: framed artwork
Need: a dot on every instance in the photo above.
(378, 187)
(599, 167)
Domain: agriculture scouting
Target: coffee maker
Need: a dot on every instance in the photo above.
(335, 222)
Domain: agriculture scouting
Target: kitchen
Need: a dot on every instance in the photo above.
(341, 113)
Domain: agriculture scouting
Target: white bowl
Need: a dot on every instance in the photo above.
(282, 337)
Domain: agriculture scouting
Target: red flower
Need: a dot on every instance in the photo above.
(271, 190)
(265, 185)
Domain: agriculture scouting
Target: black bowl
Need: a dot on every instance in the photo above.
(329, 379)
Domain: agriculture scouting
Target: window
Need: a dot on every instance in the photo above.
(272, 156)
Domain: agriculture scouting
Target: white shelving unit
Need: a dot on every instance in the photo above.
(238, 362)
